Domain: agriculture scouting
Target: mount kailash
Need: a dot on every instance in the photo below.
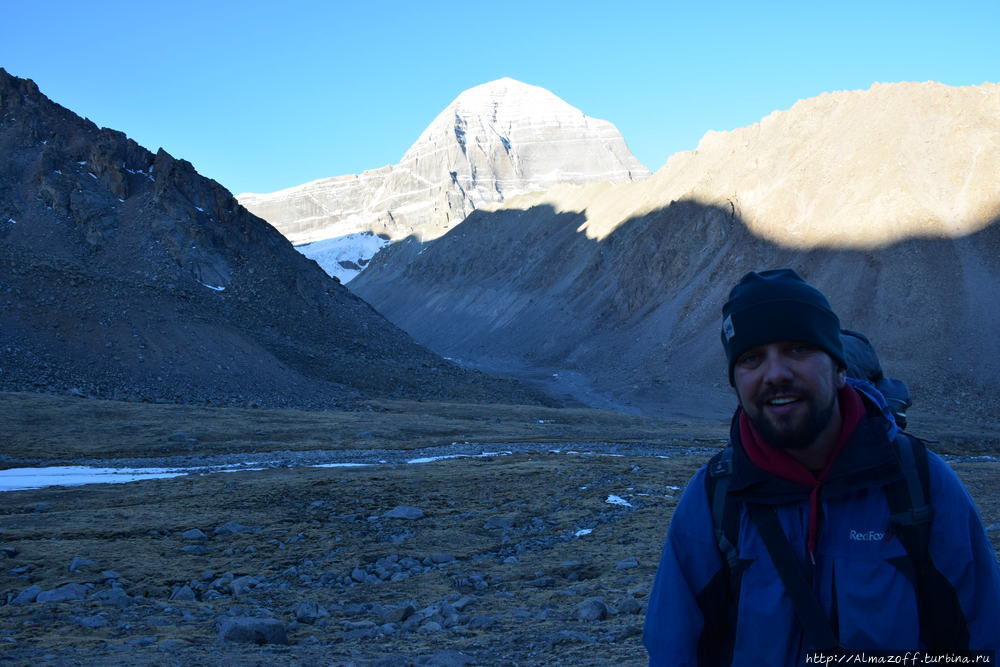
(494, 141)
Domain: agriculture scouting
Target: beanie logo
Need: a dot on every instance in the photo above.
(727, 328)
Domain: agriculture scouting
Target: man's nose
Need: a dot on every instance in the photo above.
(776, 368)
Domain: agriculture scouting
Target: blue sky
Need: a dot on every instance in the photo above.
(266, 95)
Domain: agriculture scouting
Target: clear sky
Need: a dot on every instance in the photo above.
(266, 95)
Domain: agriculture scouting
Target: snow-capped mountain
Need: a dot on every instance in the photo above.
(496, 140)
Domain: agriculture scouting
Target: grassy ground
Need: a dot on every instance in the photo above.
(51, 427)
(506, 527)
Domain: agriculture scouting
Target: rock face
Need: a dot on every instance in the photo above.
(494, 141)
(125, 274)
(886, 199)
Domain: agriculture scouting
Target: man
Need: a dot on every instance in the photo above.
(813, 468)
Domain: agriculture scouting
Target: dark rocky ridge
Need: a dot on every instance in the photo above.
(125, 274)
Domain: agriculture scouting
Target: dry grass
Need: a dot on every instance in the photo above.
(40, 426)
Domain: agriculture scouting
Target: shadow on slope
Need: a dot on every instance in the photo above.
(636, 314)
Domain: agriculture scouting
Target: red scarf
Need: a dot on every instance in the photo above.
(778, 462)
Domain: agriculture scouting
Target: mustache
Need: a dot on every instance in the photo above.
(784, 390)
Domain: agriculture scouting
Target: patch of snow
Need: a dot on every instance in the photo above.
(83, 163)
(354, 248)
(617, 500)
(674, 488)
(57, 172)
(12, 221)
(431, 459)
(15, 479)
(341, 465)
(92, 175)
(200, 209)
(213, 287)
(121, 200)
(583, 531)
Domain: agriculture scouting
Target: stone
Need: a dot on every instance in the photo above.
(630, 606)
(628, 632)
(194, 534)
(627, 564)
(183, 593)
(404, 512)
(498, 523)
(308, 611)
(27, 596)
(461, 603)
(242, 585)
(96, 621)
(232, 528)
(77, 563)
(592, 609)
(397, 614)
(253, 631)
(445, 659)
(441, 558)
(63, 593)
(113, 597)
(482, 622)
(196, 549)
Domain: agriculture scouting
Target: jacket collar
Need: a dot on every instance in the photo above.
(867, 460)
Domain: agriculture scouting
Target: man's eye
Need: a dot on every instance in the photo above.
(748, 360)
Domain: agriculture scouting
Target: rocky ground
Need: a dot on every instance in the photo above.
(535, 558)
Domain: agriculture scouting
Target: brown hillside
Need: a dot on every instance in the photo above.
(886, 199)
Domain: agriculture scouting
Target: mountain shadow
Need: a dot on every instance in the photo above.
(633, 319)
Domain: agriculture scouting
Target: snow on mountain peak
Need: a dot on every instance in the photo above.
(493, 141)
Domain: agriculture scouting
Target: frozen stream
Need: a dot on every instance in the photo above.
(38, 473)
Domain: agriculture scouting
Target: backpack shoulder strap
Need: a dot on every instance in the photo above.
(813, 620)
(943, 625)
(724, 513)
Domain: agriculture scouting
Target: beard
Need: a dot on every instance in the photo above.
(783, 433)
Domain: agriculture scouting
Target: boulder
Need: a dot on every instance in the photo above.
(404, 512)
(253, 631)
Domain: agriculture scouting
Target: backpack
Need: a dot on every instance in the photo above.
(863, 364)
(942, 622)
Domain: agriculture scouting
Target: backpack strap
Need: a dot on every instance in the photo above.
(812, 618)
(943, 626)
(720, 472)
(719, 601)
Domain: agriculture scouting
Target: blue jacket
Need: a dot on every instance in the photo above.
(857, 577)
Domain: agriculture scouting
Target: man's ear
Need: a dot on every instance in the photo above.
(841, 377)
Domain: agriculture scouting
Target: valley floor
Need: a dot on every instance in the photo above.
(533, 558)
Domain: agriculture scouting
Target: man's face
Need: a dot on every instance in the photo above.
(788, 390)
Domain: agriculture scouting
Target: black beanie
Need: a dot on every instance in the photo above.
(774, 306)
